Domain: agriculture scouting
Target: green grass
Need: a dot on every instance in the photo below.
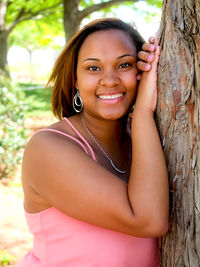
(38, 100)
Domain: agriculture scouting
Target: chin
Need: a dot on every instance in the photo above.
(113, 115)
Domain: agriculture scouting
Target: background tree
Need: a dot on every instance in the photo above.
(178, 116)
(76, 10)
(71, 12)
(36, 35)
(13, 12)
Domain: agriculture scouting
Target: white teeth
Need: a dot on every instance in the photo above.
(110, 96)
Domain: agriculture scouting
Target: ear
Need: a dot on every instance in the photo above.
(76, 84)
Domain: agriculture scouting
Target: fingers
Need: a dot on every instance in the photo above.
(149, 47)
(148, 60)
(145, 56)
(152, 40)
(149, 56)
(143, 66)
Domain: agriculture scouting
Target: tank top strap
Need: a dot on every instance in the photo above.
(82, 138)
(64, 134)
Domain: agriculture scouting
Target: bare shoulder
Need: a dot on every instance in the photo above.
(47, 154)
(53, 140)
(53, 136)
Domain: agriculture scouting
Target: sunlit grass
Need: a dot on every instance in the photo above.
(38, 100)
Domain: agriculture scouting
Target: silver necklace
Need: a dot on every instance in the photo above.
(99, 146)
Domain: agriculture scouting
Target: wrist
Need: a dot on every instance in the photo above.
(143, 110)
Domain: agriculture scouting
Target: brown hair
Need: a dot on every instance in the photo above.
(64, 72)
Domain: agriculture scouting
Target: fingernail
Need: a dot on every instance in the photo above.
(152, 47)
(150, 57)
(147, 67)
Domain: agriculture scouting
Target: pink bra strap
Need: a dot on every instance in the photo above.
(82, 138)
(67, 135)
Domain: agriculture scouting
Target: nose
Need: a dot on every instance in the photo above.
(109, 79)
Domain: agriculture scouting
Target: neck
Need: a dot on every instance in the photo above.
(112, 147)
(108, 132)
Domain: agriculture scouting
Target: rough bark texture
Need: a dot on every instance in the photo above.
(178, 119)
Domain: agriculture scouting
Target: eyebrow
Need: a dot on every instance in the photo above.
(126, 55)
(91, 58)
(96, 59)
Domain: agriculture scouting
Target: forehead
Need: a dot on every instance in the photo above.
(105, 42)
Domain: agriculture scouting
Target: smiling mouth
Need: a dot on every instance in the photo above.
(110, 96)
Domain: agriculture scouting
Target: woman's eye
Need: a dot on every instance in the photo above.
(124, 65)
(93, 68)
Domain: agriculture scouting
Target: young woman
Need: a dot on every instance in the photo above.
(96, 190)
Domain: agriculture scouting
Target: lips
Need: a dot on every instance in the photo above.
(110, 96)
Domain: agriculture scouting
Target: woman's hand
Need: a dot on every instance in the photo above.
(147, 90)
(146, 56)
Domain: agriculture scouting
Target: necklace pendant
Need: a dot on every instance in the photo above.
(114, 167)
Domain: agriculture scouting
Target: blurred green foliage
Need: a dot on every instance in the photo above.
(36, 34)
(12, 132)
(24, 10)
(6, 258)
(157, 3)
(42, 29)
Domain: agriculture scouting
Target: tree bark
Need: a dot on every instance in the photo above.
(178, 119)
(3, 49)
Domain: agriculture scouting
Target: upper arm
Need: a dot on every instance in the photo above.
(61, 173)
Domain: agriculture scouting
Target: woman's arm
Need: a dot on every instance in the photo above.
(148, 186)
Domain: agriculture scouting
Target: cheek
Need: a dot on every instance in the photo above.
(86, 83)
(130, 81)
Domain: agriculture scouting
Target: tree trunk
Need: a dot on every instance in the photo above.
(3, 37)
(3, 49)
(178, 119)
(71, 18)
(6, 29)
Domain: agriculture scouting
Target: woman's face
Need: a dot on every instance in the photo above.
(106, 74)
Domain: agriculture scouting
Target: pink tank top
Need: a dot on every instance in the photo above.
(62, 241)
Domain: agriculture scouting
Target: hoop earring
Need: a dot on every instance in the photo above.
(77, 103)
